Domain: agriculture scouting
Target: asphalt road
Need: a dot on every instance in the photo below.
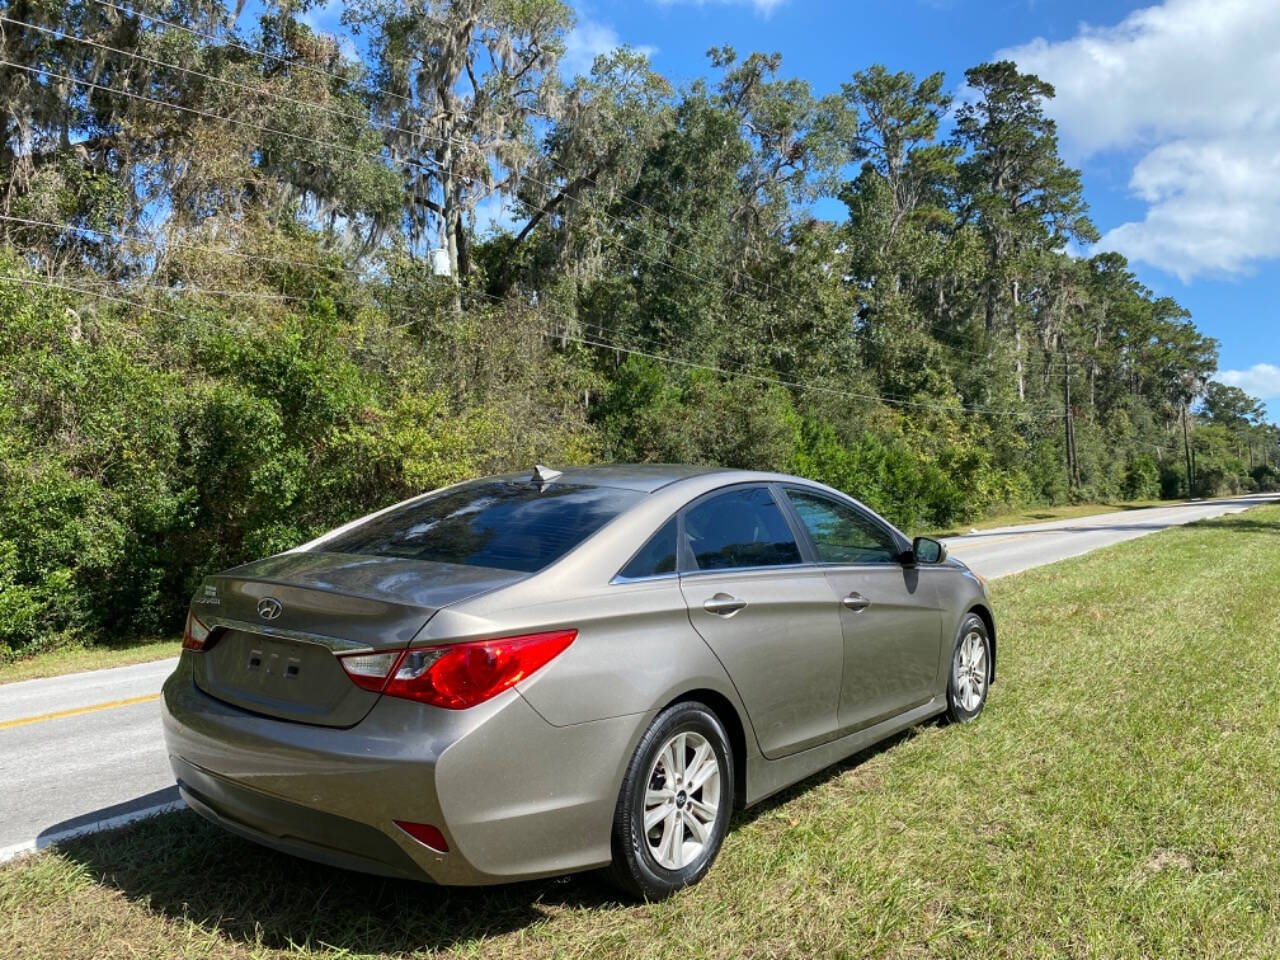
(1004, 550)
(84, 751)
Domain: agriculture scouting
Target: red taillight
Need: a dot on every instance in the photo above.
(194, 634)
(425, 834)
(458, 675)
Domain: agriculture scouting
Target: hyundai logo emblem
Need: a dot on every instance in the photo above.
(269, 608)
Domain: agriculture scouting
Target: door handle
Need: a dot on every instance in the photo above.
(856, 601)
(723, 605)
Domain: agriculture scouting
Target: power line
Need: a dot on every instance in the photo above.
(323, 143)
(312, 140)
(607, 345)
(71, 228)
(377, 156)
(893, 401)
(376, 92)
(381, 92)
(205, 114)
(145, 242)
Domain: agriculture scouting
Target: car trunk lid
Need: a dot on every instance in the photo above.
(279, 623)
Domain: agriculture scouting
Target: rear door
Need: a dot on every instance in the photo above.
(891, 618)
(771, 620)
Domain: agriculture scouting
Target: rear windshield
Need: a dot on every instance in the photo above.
(507, 525)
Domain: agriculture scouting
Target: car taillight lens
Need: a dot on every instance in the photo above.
(459, 675)
(369, 670)
(194, 634)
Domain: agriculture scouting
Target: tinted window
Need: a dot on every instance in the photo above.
(656, 557)
(840, 533)
(743, 528)
(507, 525)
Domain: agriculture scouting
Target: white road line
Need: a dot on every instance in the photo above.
(111, 823)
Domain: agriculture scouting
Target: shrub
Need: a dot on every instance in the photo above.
(1141, 479)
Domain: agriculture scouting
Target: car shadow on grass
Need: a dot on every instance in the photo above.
(183, 868)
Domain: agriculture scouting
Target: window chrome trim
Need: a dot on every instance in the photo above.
(619, 578)
(335, 645)
(761, 570)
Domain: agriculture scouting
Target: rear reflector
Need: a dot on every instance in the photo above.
(459, 675)
(194, 634)
(425, 834)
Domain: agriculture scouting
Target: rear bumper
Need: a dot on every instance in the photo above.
(515, 797)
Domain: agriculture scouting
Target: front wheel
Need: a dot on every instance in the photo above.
(674, 807)
(970, 671)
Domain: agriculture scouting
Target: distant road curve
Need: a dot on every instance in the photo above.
(1005, 550)
(84, 752)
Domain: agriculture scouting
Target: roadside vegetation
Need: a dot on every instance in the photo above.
(1117, 798)
(251, 287)
(61, 660)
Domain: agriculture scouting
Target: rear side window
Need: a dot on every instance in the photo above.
(506, 525)
(840, 533)
(741, 528)
(655, 558)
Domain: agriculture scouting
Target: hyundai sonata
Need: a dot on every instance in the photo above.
(533, 674)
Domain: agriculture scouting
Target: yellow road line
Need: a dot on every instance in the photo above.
(77, 711)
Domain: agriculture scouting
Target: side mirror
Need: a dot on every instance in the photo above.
(925, 550)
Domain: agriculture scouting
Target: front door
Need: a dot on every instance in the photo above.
(891, 618)
(773, 623)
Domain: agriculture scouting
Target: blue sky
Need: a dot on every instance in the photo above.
(1170, 110)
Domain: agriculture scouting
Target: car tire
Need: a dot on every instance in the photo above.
(687, 820)
(969, 675)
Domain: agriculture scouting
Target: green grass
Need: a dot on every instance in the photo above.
(1118, 799)
(73, 659)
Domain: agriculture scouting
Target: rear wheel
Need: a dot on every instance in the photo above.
(675, 803)
(970, 671)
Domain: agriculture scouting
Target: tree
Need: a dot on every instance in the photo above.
(1014, 186)
(897, 134)
(1231, 407)
(461, 86)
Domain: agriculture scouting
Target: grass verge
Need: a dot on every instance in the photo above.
(74, 659)
(1117, 799)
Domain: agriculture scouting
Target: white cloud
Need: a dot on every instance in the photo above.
(1214, 206)
(762, 7)
(589, 39)
(1190, 84)
(1262, 380)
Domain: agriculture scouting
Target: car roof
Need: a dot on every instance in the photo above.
(644, 477)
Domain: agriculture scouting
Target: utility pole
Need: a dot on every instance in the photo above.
(1186, 446)
(1073, 470)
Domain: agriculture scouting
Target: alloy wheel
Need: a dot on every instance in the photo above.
(682, 800)
(970, 671)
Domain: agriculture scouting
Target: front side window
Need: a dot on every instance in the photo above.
(840, 533)
(741, 528)
(507, 525)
